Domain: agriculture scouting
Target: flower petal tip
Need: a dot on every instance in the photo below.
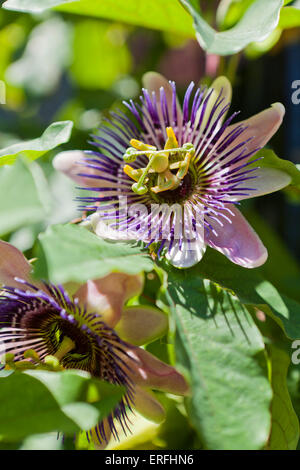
(222, 83)
(142, 324)
(153, 81)
(280, 108)
(260, 260)
(68, 163)
(148, 406)
(13, 265)
(184, 257)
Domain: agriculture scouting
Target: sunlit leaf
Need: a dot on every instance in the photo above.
(43, 401)
(56, 134)
(252, 288)
(167, 15)
(229, 12)
(45, 441)
(290, 17)
(72, 253)
(293, 382)
(220, 346)
(33, 5)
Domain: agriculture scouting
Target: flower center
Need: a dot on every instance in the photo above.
(166, 168)
(181, 193)
(36, 324)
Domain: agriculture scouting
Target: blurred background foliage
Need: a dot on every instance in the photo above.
(63, 66)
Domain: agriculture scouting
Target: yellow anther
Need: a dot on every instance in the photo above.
(133, 173)
(171, 142)
(137, 144)
(182, 166)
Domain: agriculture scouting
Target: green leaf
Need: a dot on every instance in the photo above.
(23, 196)
(72, 253)
(289, 17)
(257, 49)
(103, 45)
(35, 401)
(34, 6)
(221, 347)
(251, 288)
(285, 279)
(294, 390)
(166, 15)
(285, 424)
(260, 19)
(229, 12)
(56, 134)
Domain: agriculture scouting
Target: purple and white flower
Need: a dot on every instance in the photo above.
(92, 330)
(182, 171)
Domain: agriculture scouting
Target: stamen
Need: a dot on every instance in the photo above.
(159, 162)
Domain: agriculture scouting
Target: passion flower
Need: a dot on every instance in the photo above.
(91, 331)
(174, 176)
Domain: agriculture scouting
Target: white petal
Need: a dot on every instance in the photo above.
(259, 128)
(267, 180)
(103, 230)
(189, 255)
(72, 164)
(237, 240)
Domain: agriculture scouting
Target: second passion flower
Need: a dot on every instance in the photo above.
(92, 331)
(174, 175)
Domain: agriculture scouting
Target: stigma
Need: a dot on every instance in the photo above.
(166, 168)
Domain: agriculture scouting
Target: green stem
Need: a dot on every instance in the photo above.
(146, 169)
(149, 152)
(232, 67)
